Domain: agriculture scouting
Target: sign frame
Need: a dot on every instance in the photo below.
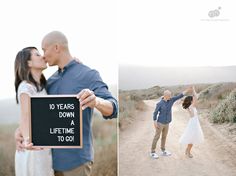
(80, 122)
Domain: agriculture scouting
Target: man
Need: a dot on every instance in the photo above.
(73, 77)
(162, 116)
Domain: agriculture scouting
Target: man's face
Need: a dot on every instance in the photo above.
(50, 54)
(167, 95)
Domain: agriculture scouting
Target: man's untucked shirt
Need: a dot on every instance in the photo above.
(71, 80)
(163, 112)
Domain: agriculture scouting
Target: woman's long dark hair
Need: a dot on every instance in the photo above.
(187, 102)
(22, 71)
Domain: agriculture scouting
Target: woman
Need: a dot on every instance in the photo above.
(193, 132)
(29, 81)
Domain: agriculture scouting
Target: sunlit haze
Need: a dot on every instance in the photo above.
(90, 27)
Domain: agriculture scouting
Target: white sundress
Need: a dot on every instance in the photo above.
(32, 163)
(193, 132)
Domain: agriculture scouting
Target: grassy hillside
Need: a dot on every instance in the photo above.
(225, 111)
(142, 94)
(211, 96)
(7, 149)
(105, 146)
(218, 100)
(129, 104)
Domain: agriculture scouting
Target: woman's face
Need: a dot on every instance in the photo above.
(37, 61)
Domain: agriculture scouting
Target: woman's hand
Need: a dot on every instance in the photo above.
(29, 146)
(19, 140)
(77, 60)
(22, 145)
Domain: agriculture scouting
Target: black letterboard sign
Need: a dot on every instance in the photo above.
(56, 121)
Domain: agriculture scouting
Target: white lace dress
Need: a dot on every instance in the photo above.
(33, 163)
(193, 132)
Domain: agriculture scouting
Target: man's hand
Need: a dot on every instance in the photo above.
(87, 98)
(155, 124)
(19, 140)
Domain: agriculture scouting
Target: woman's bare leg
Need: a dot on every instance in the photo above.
(188, 150)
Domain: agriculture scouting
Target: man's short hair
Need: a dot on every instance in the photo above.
(167, 92)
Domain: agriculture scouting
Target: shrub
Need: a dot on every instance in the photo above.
(225, 111)
(213, 94)
(130, 102)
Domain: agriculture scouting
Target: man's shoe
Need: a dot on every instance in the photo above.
(189, 155)
(165, 153)
(154, 155)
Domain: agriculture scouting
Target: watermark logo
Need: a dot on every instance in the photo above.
(214, 13)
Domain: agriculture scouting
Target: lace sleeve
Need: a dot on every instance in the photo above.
(27, 88)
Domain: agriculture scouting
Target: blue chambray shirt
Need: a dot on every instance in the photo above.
(72, 80)
(163, 110)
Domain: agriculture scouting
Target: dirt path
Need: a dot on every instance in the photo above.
(216, 157)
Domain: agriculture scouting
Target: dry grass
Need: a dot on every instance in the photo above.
(143, 94)
(105, 142)
(213, 94)
(106, 161)
(180, 88)
(105, 135)
(130, 104)
(225, 110)
(7, 150)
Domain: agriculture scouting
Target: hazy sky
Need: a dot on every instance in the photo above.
(177, 33)
(90, 27)
(141, 77)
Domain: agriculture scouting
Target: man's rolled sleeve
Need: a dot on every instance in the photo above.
(100, 89)
(156, 112)
(115, 109)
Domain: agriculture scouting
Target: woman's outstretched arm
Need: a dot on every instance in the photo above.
(195, 96)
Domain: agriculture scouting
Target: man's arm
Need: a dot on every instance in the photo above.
(104, 106)
(97, 96)
(181, 95)
(89, 99)
(155, 113)
(175, 98)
